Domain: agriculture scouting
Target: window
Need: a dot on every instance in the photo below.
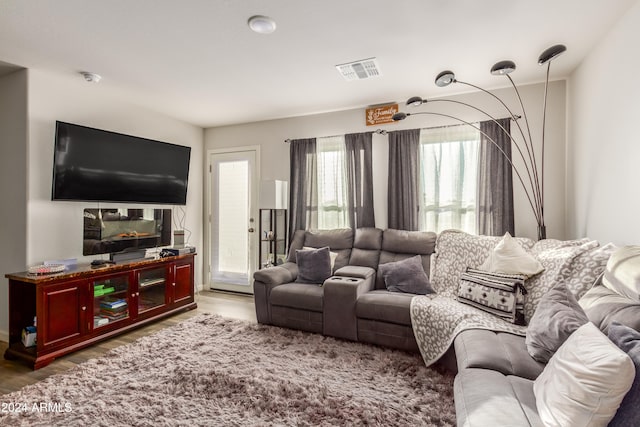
(448, 178)
(332, 179)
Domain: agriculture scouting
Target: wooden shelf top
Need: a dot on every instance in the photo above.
(80, 271)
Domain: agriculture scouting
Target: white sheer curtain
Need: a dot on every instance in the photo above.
(448, 178)
(332, 181)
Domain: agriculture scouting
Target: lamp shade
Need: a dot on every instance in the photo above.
(399, 116)
(274, 194)
(551, 53)
(445, 78)
(416, 101)
(503, 67)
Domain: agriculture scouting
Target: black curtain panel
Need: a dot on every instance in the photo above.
(303, 193)
(403, 186)
(359, 180)
(495, 180)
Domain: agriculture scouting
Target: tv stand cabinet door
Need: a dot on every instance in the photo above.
(182, 282)
(64, 314)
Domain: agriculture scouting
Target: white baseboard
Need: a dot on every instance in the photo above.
(4, 335)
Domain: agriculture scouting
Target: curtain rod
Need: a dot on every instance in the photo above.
(378, 131)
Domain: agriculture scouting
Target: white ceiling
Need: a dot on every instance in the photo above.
(196, 60)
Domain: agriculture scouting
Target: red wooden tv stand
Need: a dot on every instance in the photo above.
(81, 306)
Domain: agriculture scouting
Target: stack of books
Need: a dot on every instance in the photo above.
(99, 321)
(113, 309)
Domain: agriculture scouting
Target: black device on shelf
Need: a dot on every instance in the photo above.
(97, 165)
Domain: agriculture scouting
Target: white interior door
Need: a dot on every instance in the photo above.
(233, 220)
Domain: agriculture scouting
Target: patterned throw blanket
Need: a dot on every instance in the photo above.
(438, 318)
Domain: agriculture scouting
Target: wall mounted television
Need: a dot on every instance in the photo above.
(97, 165)
(121, 230)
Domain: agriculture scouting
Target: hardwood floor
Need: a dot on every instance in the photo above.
(16, 374)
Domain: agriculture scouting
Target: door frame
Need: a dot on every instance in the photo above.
(209, 202)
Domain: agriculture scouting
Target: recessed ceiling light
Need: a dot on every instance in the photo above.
(91, 77)
(262, 24)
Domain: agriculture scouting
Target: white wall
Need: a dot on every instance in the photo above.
(270, 135)
(604, 147)
(13, 185)
(54, 229)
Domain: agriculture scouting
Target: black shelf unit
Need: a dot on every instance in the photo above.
(273, 237)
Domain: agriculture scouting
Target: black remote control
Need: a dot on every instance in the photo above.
(100, 262)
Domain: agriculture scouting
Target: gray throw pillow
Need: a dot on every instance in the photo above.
(628, 340)
(557, 316)
(406, 276)
(314, 265)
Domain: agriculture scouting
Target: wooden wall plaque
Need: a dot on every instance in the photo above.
(380, 114)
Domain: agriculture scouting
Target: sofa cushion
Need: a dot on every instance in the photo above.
(366, 247)
(576, 263)
(622, 273)
(604, 306)
(408, 242)
(298, 295)
(386, 306)
(487, 398)
(628, 340)
(558, 315)
(509, 257)
(497, 351)
(314, 265)
(332, 255)
(590, 369)
(455, 251)
(339, 240)
(406, 276)
(398, 245)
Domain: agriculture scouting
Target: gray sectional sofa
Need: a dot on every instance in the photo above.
(353, 304)
(494, 383)
(495, 373)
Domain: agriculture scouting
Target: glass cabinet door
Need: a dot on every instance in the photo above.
(110, 300)
(152, 288)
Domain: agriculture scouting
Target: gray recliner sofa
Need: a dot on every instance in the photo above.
(352, 304)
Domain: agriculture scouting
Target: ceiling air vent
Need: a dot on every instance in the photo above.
(359, 70)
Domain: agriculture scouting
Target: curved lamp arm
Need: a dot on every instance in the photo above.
(536, 211)
(536, 189)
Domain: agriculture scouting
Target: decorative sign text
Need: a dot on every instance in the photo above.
(381, 114)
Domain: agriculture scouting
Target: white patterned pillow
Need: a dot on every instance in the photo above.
(499, 294)
(457, 250)
(577, 263)
(509, 257)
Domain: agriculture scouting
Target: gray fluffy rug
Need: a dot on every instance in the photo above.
(212, 371)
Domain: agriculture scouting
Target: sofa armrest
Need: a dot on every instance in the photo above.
(284, 273)
(340, 297)
(355, 271)
(267, 279)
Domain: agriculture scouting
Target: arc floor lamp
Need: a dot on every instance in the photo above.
(531, 176)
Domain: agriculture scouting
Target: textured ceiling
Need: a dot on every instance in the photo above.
(196, 60)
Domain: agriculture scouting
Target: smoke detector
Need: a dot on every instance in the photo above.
(91, 77)
(262, 24)
(359, 70)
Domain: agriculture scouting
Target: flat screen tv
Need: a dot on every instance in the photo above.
(97, 165)
(121, 230)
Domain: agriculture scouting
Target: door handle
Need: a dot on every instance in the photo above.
(251, 230)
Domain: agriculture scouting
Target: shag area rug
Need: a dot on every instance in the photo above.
(212, 371)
